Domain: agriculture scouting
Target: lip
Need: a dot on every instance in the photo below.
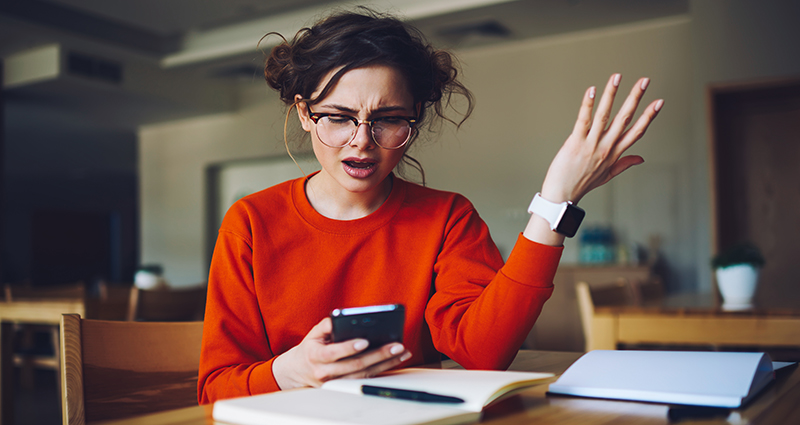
(368, 167)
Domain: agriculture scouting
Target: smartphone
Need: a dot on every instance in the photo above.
(378, 324)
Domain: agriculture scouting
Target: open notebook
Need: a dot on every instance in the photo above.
(341, 401)
(718, 379)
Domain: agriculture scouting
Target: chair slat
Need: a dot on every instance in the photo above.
(130, 368)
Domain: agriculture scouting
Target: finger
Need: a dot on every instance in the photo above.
(623, 164)
(584, 121)
(639, 127)
(628, 109)
(378, 368)
(603, 113)
(364, 362)
(378, 364)
(322, 330)
(331, 353)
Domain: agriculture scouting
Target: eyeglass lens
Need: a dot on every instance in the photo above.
(388, 133)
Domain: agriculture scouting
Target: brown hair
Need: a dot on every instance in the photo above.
(350, 40)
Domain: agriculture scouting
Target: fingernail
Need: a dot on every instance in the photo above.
(360, 344)
(659, 104)
(405, 356)
(396, 349)
(592, 91)
(645, 83)
(617, 78)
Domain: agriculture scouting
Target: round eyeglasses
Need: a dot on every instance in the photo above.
(336, 130)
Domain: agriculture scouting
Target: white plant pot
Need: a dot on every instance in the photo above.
(737, 284)
(147, 280)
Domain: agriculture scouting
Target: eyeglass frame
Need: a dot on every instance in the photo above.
(316, 116)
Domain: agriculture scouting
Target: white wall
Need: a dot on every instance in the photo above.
(527, 98)
(173, 159)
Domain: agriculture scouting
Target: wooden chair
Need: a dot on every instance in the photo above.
(110, 302)
(617, 293)
(559, 328)
(620, 292)
(117, 369)
(28, 362)
(167, 305)
(647, 291)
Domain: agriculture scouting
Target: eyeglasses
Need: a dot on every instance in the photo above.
(337, 130)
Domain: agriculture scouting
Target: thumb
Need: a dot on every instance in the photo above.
(322, 330)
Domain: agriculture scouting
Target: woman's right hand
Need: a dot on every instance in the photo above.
(316, 359)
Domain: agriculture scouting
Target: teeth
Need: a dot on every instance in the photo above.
(356, 164)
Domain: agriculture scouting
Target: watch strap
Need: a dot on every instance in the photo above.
(549, 211)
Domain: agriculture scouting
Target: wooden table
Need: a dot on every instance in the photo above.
(693, 320)
(41, 311)
(778, 404)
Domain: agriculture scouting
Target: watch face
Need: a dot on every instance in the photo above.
(570, 221)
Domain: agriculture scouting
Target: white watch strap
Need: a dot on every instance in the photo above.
(547, 210)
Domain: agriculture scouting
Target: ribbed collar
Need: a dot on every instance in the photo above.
(366, 224)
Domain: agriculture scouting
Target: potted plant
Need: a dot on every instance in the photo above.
(150, 276)
(737, 269)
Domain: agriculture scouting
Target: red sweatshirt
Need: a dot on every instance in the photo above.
(279, 267)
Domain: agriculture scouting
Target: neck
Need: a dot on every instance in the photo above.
(333, 201)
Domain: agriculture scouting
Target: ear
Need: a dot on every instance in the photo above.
(302, 112)
(418, 108)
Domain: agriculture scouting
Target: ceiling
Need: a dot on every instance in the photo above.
(168, 48)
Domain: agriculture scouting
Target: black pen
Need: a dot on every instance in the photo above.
(408, 394)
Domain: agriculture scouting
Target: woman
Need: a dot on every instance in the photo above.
(354, 234)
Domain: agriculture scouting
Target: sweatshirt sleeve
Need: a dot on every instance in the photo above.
(481, 310)
(235, 358)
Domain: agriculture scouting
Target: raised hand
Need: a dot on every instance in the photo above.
(316, 360)
(593, 154)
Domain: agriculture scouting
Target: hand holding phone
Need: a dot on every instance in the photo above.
(379, 325)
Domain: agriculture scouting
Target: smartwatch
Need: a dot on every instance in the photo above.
(564, 218)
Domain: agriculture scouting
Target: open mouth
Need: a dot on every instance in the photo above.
(360, 164)
(360, 168)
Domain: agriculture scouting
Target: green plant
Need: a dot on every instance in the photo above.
(743, 253)
(155, 269)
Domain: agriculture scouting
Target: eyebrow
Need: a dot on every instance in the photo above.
(382, 109)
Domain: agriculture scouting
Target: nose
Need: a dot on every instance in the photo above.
(363, 137)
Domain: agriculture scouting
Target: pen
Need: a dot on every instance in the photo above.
(408, 394)
(680, 412)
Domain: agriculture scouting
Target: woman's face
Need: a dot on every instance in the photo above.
(366, 93)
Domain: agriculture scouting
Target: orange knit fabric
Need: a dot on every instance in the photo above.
(279, 267)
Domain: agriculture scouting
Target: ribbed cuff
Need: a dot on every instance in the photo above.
(262, 380)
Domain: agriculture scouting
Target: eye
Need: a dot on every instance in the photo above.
(391, 121)
(338, 119)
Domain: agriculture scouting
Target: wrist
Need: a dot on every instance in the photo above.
(538, 230)
(282, 371)
(562, 217)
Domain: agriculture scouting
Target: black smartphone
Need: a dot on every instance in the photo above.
(378, 324)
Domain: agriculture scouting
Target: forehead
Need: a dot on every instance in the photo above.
(367, 87)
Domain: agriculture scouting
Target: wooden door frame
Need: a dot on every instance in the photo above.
(713, 90)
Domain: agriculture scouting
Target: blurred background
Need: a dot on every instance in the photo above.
(129, 127)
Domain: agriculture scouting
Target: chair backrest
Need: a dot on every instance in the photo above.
(26, 292)
(616, 293)
(647, 291)
(167, 305)
(110, 302)
(116, 369)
